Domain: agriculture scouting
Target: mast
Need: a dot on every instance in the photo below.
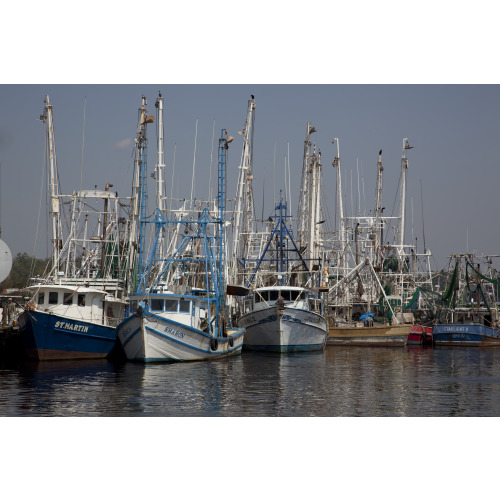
(304, 191)
(340, 207)
(378, 212)
(244, 206)
(221, 198)
(54, 208)
(402, 212)
(139, 196)
(160, 171)
(314, 205)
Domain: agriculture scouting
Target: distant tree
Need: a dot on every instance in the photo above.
(23, 268)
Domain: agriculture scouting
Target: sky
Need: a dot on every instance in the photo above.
(453, 168)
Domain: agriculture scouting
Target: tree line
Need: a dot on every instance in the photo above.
(23, 268)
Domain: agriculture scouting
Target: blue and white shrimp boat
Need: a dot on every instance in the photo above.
(470, 313)
(283, 317)
(459, 334)
(78, 303)
(178, 311)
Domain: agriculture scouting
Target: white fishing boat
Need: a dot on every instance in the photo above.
(283, 317)
(178, 311)
(77, 304)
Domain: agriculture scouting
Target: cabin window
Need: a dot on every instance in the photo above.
(157, 305)
(265, 296)
(273, 295)
(258, 298)
(81, 299)
(171, 305)
(133, 306)
(41, 298)
(294, 294)
(286, 295)
(68, 299)
(184, 306)
(53, 297)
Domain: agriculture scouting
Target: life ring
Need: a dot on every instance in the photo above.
(214, 344)
(231, 341)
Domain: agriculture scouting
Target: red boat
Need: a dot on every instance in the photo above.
(419, 335)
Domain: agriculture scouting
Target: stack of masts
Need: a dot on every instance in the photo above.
(366, 235)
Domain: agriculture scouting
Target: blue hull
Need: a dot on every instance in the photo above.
(466, 335)
(47, 336)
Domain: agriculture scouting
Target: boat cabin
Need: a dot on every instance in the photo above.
(79, 303)
(267, 297)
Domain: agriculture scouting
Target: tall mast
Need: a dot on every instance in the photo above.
(303, 216)
(221, 195)
(54, 209)
(404, 168)
(314, 205)
(244, 206)
(139, 195)
(378, 211)
(160, 171)
(340, 207)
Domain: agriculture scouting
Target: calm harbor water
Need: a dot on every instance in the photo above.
(340, 381)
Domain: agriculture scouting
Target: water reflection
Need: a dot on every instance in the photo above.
(340, 381)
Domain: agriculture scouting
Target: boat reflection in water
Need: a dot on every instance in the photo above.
(342, 381)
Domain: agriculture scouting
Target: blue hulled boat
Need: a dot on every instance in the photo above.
(79, 301)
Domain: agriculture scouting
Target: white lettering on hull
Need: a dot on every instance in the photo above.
(71, 327)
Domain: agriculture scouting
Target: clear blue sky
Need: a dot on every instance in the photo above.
(454, 130)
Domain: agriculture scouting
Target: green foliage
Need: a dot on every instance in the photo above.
(21, 272)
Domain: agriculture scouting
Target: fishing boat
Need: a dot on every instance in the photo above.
(419, 335)
(79, 301)
(469, 312)
(178, 312)
(282, 316)
(373, 276)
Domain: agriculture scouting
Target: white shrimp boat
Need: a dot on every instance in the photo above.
(178, 311)
(283, 317)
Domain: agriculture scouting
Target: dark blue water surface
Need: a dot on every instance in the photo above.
(340, 381)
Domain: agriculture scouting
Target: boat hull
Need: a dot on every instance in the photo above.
(420, 335)
(385, 336)
(466, 335)
(296, 330)
(150, 338)
(51, 337)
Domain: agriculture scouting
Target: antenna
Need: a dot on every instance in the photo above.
(83, 140)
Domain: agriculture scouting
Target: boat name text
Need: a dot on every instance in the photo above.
(173, 332)
(68, 326)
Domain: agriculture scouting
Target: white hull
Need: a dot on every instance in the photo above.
(151, 338)
(294, 330)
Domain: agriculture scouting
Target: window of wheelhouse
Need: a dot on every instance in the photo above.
(273, 295)
(295, 294)
(171, 305)
(68, 299)
(286, 295)
(133, 306)
(157, 305)
(53, 298)
(184, 306)
(81, 299)
(41, 298)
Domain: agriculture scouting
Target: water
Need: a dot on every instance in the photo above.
(340, 381)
